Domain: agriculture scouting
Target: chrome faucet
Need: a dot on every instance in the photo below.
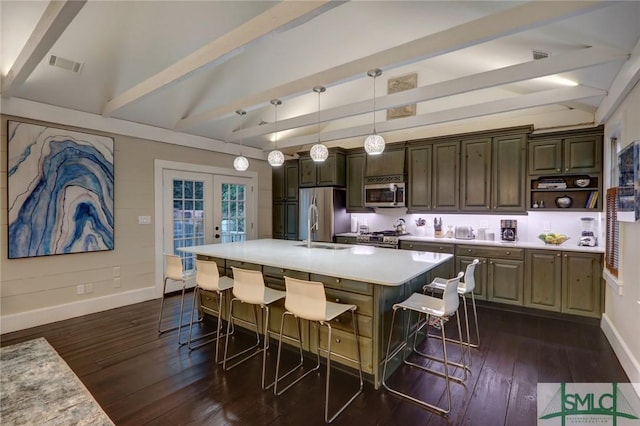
(313, 218)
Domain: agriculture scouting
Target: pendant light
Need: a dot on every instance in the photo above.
(276, 158)
(319, 152)
(241, 163)
(374, 144)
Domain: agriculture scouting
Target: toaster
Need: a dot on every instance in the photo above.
(464, 233)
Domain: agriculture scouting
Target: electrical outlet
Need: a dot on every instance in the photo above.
(88, 288)
(484, 224)
(116, 282)
(144, 220)
(546, 226)
(80, 289)
(116, 271)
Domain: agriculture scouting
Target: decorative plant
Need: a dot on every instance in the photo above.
(421, 222)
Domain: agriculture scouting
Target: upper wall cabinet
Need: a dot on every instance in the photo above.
(568, 155)
(493, 176)
(330, 172)
(355, 182)
(433, 176)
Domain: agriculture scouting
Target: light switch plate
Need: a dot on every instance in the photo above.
(144, 220)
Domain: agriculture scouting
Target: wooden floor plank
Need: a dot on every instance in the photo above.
(142, 378)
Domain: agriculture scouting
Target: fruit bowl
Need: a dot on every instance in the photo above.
(552, 238)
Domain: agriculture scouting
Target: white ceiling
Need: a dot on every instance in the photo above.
(188, 65)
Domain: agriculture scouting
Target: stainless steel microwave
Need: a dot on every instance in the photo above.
(384, 195)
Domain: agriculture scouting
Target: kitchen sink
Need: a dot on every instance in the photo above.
(325, 246)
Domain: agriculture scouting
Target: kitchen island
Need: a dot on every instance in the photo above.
(371, 278)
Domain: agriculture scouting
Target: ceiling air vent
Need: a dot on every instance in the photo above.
(57, 61)
(538, 54)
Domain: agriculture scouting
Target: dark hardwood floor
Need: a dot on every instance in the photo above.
(140, 378)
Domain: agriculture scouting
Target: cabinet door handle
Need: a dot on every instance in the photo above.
(468, 250)
(557, 170)
(508, 253)
(338, 340)
(410, 245)
(337, 300)
(565, 255)
(558, 254)
(337, 280)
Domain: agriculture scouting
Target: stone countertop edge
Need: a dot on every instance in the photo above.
(567, 246)
(360, 263)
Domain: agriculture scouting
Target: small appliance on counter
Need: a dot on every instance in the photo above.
(464, 233)
(508, 230)
(588, 236)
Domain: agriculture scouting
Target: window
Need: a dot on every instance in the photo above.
(233, 212)
(188, 218)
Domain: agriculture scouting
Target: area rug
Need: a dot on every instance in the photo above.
(39, 388)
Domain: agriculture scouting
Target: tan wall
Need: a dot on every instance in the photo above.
(623, 311)
(43, 282)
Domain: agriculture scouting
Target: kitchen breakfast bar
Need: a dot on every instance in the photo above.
(371, 278)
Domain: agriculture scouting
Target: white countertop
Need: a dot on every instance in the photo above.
(362, 263)
(569, 245)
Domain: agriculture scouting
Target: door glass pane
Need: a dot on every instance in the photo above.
(188, 218)
(233, 212)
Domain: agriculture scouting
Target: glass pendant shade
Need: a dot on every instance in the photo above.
(241, 163)
(374, 144)
(319, 152)
(276, 158)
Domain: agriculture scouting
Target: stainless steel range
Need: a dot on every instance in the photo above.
(387, 239)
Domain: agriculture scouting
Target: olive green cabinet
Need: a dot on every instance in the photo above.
(433, 176)
(285, 201)
(568, 282)
(346, 240)
(356, 162)
(582, 283)
(330, 172)
(493, 174)
(433, 247)
(543, 275)
(500, 274)
(566, 155)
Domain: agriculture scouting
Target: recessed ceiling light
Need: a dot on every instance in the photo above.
(557, 80)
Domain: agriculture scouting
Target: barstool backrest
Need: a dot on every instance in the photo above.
(173, 267)
(248, 285)
(469, 283)
(450, 300)
(305, 299)
(207, 275)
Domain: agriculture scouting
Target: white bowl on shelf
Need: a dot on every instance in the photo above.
(582, 182)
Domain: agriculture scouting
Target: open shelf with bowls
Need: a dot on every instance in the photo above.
(566, 192)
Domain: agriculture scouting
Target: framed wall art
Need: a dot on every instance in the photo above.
(399, 84)
(629, 183)
(60, 191)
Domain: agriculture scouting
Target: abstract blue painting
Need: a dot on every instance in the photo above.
(60, 186)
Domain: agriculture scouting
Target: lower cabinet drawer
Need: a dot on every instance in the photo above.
(364, 303)
(241, 265)
(343, 343)
(345, 322)
(290, 332)
(343, 284)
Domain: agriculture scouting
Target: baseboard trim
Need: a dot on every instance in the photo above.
(23, 320)
(629, 363)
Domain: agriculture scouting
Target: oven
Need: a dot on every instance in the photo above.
(385, 195)
(385, 239)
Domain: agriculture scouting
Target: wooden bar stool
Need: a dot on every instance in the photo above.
(208, 279)
(173, 271)
(438, 308)
(307, 300)
(248, 287)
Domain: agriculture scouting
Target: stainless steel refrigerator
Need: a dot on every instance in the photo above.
(332, 213)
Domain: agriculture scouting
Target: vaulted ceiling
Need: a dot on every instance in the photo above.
(187, 66)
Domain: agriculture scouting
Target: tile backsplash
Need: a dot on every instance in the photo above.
(529, 225)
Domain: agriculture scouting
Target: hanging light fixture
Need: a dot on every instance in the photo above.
(241, 163)
(276, 158)
(374, 144)
(319, 152)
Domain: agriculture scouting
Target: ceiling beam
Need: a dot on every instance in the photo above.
(533, 69)
(515, 103)
(277, 18)
(513, 20)
(626, 79)
(54, 20)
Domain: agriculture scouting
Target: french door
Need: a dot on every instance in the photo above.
(203, 208)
